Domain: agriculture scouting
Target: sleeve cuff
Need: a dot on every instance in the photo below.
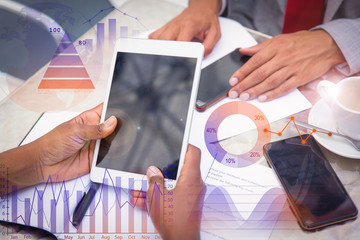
(346, 33)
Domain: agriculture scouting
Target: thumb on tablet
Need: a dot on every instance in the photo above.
(155, 196)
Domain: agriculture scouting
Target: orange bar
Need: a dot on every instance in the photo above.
(66, 84)
(66, 72)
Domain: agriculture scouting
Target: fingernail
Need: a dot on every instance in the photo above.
(262, 98)
(110, 121)
(152, 171)
(233, 94)
(244, 96)
(233, 81)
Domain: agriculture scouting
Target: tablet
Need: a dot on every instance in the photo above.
(152, 90)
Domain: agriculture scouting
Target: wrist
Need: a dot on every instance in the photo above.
(23, 167)
(212, 5)
(331, 48)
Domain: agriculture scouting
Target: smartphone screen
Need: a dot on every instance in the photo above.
(315, 193)
(214, 80)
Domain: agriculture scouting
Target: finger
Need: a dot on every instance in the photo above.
(156, 34)
(138, 194)
(169, 33)
(191, 169)
(92, 132)
(254, 49)
(155, 196)
(273, 81)
(256, 77)
(283, 89)
(97, 109)
(252, 79)
(139, 203)
(91, 116)
(187, 32)
(212, 37)
(251, 65)
(138, 199)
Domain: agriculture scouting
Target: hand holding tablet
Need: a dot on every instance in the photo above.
(152, 91)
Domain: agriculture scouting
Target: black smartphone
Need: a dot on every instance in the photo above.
(214, 79)
(315, 193)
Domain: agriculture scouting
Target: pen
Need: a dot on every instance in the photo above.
(84, 204)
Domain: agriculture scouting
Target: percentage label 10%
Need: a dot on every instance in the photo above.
(230, 160)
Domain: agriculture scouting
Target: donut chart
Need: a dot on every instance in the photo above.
(211, 134)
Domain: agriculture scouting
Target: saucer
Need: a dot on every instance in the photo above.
(320, 115)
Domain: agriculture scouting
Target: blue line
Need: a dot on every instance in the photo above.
(124, 13)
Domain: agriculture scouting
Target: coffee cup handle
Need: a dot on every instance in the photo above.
(326, 90)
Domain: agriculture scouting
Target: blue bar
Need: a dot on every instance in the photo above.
(66, 211)
(100, 36)
(118, 204)
(112, 31)
(53, 216)
(40, 210)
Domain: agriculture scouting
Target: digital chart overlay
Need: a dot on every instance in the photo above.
(66, 70)
(213, 143)
(303, 141)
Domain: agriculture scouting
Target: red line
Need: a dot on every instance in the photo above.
(303, 141)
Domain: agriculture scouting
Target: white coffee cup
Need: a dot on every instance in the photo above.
(343, 99)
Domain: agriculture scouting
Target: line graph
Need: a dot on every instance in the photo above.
(303, 141)
(114, 8)
(50, 206)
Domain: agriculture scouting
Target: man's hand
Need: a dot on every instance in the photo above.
(284, 63)
(64, 153)
(198, 21)
(178, 217)
(67, 150)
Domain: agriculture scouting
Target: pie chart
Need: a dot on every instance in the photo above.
(213, 141)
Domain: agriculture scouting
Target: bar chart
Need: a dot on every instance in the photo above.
(50, 206)
(66, 70)
(113, 32)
